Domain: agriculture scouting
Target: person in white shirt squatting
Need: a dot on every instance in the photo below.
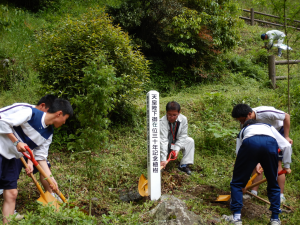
(174, 136)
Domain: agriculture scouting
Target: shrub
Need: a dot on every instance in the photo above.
(243, 65)
(186, 35)
(91, 62)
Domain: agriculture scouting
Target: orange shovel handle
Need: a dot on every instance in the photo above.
(42, 172)
(34, 180)
(262, 181)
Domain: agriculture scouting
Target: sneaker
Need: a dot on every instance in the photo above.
(18, 216)
(246, 196)
(186, 169)
(282, 200)
(275, 222)
(231, 220)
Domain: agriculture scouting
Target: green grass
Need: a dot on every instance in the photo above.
(124, 158)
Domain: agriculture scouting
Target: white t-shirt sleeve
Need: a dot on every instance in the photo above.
(284, 146)
(15, 119)
(41, 152)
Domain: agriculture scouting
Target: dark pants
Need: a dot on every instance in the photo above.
(9, 172)
(256, 149)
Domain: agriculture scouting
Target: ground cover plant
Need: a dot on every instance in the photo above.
(93, 174)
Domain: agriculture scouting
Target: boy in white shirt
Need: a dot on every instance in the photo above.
(258, 143)
(28, 127)
(43, 104)
(279, 120)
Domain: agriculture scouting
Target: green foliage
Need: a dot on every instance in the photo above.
(244, 65)
(70, 56)
(220, 132)
(186, 35)
(101, 85)
(49, 215)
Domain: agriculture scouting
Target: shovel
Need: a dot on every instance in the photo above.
(42, 172)
(225, 198)
(260, 182)
(143, 182)
(46, 197)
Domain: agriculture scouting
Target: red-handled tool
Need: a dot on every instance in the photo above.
(143, 182)
(172, 157)
(42, 172)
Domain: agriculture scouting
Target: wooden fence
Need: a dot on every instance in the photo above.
(252, 19)
(272, 69)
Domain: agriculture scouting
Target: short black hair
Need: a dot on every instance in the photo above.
(241, 110)
(63, 105)
(173, 106)
(48, 100)
(249, 122)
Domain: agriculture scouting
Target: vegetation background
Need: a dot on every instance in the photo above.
(104, 56)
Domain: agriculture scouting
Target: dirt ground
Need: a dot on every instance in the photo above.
(252, 209)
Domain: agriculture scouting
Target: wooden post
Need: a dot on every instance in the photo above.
(272, 71)
(252, 17)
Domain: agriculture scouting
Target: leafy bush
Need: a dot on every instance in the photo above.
(91, 62)
(187, 35)
(243, 65)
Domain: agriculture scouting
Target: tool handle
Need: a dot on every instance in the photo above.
(264, 180)
(248, 192)
(30, 156)
(255, 184)
(255, 175)
(49, 180)
(282, 172)
(34, 179)
(172, 156)
(42, 172)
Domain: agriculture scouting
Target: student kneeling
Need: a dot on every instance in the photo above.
(258, 143)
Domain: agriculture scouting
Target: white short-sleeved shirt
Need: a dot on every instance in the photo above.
(11, 109)
(28, 125)
(269, 115)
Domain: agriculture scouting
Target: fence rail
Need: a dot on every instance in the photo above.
(272, 69)
(252, 19)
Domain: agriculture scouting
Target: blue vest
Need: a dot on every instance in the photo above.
(36, 123)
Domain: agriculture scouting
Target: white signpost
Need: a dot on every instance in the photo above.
(154, 179)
